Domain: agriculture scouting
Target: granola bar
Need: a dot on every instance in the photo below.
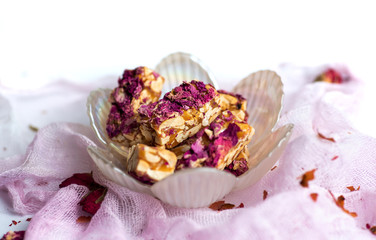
(180, 114)
(216, 145)
(150, 164)
(135, 88)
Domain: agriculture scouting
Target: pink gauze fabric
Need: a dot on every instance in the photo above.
(288, 212)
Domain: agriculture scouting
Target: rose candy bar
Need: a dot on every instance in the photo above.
(240, 164)
(135, 88)
(180, 114)
(216, 145)
(235, 103)
(150, 164)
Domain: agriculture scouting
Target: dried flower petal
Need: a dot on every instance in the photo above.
(221, 205)
(29, 219)
(84, 179)
(16, 235)
(226, 206)
(314, 196)
(340, 202)
(83, 219)
(330, 76)
(265, 195)
(334, 158)
(92, 202)
(216, 205)
(352, 189)
(241, 205)
(326, 138)
(273, 168)
(306, 177)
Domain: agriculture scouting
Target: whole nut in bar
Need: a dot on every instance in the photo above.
(216, 145)
(135, 88)
(150, 164)
(181, 113)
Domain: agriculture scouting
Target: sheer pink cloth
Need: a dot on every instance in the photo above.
(59, 150)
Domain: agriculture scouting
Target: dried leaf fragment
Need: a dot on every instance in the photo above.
(273, 168)
(306, 177)
(314, 196)
(33, 128)
(326, 138)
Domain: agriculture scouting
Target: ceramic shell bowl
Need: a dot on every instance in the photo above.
(199, 187)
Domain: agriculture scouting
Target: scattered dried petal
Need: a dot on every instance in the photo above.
(334, 158)
(326, 138)
(226, 206)
(221, 205)
(14, 222)
(16, 235)
(273, 168)
(340, 202)
(241, 205)
(330, 76)
(84, 179)
(314, 196)
(33, 128)
(265, 195)
(217, 205)
(368, 226)
(92, 202)
(83, 219)
(306, 177)
(29, 219)
(352, 189)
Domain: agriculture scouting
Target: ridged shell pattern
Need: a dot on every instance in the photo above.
(179, 67)
(264, 92)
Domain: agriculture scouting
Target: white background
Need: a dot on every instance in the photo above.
(83, 41)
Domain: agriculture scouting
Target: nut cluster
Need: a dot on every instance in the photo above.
(194, 125)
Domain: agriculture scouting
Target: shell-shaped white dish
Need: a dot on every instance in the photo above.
(192, 188)
(179, 67)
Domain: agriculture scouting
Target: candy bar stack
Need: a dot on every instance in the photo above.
(192, 126)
